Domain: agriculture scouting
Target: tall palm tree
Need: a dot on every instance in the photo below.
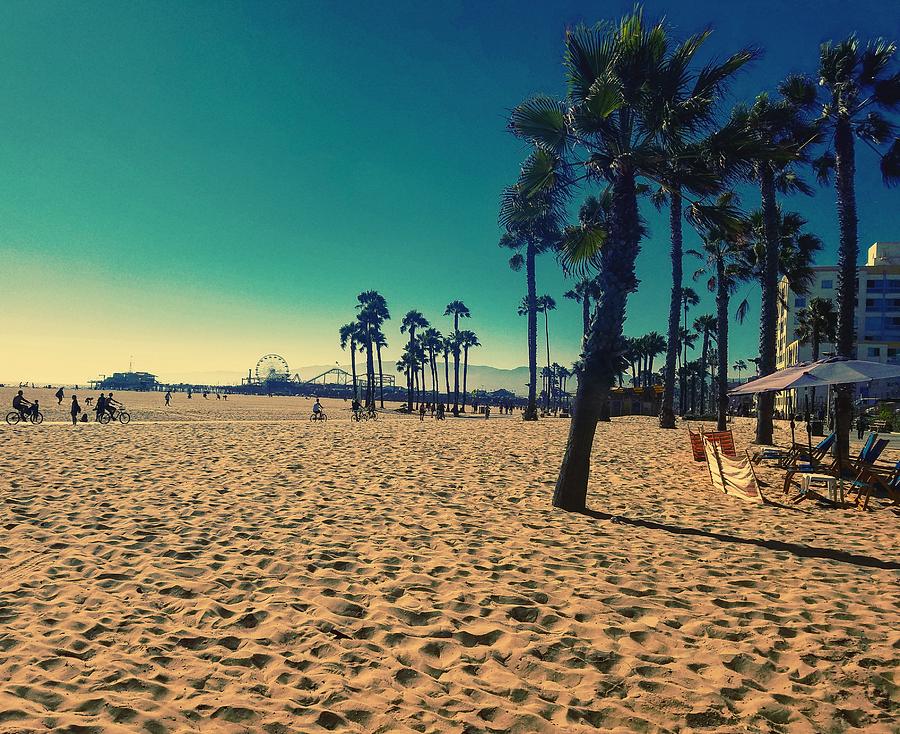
(447, 349)
(433, 342)
(784, 131)
(612, 120)
(688, 165)
(467, 340)
(532, 226)
(349, 334)
(725, 266)
(546, 304)
(456, 309)
(380, 341)
(857, 85)
(654, 345)
(582, 293)
(706, 326)
(689, 297)
(739, 366)
(372, 313)
(816, 323)
(411, 321)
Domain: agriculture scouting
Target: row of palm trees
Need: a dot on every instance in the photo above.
(641, 117)
(423, 348)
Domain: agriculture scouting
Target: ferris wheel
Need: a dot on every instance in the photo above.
(272, 368)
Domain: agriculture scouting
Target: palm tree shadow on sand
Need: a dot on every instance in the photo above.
(803, 551)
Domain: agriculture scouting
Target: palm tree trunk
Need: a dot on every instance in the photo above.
(409, 369)
(603, 344)
(380, 377)
(848, 252)
(353, 368)
(465, 373)
(447, 374)
(370, 371)
(549, 373)
(585, 313)
(768, 315)
(815, 356)
(704, 361)
(531, 410)
(456, 364)
(722, 316)
(667, 409)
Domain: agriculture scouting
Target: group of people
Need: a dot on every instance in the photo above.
(105, 404)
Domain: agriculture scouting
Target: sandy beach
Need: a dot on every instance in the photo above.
(230, 566)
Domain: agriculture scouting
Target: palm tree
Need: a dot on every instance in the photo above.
(467, 340)
(372, 313)
(689, 297)
(783, 131)
(411, 321)
(379, 340)
(582, 293)
(704, 325)
(456, 309)
(349, 334)
(724, 264)
(856, 82)
(447, 348)
(612, 120)
(816, 323)
(654, 345)
(433, 342)
(532, 227)
(687, 115)
(739, 366)
(546, 304)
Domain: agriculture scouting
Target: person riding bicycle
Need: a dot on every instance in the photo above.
(317, 409)
(22, 405)
(355, 406)
(112, 405)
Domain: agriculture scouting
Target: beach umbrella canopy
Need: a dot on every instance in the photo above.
(828, 371)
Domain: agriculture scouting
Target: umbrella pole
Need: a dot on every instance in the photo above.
(808, 428)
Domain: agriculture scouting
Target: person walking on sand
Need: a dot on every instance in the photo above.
(421, 412)
(59, 396)
(76, 409)
(168, 397)
(860, 426)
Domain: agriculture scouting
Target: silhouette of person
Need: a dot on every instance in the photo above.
(59, 396)
(100, 408)
(112, 405)
(76, 409)
(168, 397)
(21, 404)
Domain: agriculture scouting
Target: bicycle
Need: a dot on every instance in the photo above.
(359, 415)
(371, 415)
(320, 416)
(123, 416)
(36, 417)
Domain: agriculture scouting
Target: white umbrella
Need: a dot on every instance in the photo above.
(828, 371)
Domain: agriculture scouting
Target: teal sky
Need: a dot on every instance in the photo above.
(196, 184)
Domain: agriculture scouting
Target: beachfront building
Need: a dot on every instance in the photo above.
(126, 381)
(877, 324)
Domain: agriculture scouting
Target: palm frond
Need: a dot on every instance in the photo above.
(541, 121)
(890, 164)
(823, 166)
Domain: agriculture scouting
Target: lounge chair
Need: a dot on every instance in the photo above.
(697, 445)
(876, 476)
(724, 440)
(731, 475)
(868, 455)
(798, 453)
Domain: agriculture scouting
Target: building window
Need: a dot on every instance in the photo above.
(892, 352)
(874, 351)
(827, 284)
(799, 303)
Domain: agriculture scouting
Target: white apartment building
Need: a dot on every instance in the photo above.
(877, 322)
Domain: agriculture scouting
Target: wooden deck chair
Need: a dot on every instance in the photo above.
(876, 476)
(799, 453)
(732, 476)
(851, 469)
(697, 444)
(725, 442)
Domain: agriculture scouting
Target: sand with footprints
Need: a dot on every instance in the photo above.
(230, 566)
